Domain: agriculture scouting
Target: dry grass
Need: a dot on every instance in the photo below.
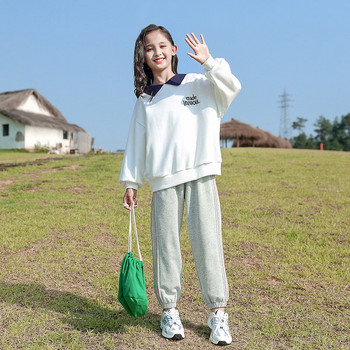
(286, 223)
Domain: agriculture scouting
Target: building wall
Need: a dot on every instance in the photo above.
(9, 142)
(27, 137)
(46, 137)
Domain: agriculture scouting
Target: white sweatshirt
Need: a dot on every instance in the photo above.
(174, 135)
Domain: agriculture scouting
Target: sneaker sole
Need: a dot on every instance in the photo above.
(220, 343)
(177, 336)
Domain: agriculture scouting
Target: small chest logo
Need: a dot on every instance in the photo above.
(190, 100)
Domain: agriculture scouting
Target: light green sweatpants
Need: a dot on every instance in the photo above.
(200, 197)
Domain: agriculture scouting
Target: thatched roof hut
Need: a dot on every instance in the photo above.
(11, 105)
(29, 121)
(244, 135)
(240, 132)
(284, 143)
(271, 141)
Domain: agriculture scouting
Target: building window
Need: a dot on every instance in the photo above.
(65, 135)
(5, 129)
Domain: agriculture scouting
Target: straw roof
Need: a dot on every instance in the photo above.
(40, 120)
(271, 141)
(245, 135)
(12, 100)
(235, 129)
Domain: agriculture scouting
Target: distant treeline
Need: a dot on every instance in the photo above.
(333, 135)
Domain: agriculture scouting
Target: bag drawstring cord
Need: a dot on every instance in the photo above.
(133, 224)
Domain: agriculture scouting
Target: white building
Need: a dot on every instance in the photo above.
(28, 120)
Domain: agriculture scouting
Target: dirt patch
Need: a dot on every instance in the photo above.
(73, 167)
(228, 221)
(274, 281)
(33, 190)
(249, 247)
(6, 166)
(225, 193)
(50, 171)
(31, 175)
(27, 252)
(249, 262)
(5, 183)
(74, 189)
(24, 252)
(77, 189)
(106, 239)
(288, 186)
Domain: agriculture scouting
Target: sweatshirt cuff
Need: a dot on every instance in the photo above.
(132, 185)
(209, 63)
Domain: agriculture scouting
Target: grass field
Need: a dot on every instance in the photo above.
(20, 157)
(63, 234)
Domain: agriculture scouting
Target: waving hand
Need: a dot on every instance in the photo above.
(201, 50)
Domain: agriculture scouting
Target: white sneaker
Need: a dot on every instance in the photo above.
(220, 331)
(171, 325)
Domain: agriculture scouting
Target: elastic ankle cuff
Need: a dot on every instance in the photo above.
(216, 305)
(169, 306)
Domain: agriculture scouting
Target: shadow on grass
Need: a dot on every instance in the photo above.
(81, 313)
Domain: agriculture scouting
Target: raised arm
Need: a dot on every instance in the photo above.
(200, 49)
(224, 84)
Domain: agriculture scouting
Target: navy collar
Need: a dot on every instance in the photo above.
(175, 80)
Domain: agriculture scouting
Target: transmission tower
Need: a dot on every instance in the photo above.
(285, 125)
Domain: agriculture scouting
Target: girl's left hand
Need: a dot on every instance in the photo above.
(200, 48)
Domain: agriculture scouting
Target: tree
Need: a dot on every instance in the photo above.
(311, 143)
(299, 124)
(344, 132)
(304, 142)
(334, 141)
(334, 135)
(323, 130)
(300, 141)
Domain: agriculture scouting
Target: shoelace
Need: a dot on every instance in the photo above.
(220, 322)
(171, 319)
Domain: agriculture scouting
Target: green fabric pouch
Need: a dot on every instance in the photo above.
(132, 286)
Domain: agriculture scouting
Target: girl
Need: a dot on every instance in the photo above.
(173, 144)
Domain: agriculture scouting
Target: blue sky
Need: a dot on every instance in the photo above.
(79, 54)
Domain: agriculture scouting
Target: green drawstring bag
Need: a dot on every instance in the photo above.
(132, 286)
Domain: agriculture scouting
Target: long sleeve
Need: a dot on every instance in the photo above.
(226, 85)
(133, 167)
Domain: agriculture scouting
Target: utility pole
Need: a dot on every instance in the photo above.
(285, 125)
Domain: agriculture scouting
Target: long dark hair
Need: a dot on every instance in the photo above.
(143, 76)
